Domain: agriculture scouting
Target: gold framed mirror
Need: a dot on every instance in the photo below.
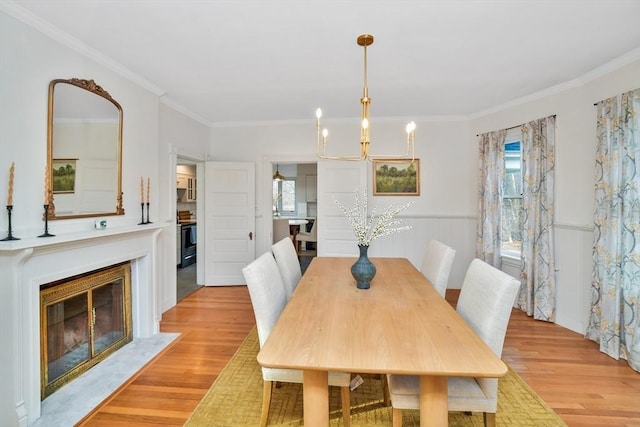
(84, 151)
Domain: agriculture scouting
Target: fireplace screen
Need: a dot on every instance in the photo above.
(83, 320)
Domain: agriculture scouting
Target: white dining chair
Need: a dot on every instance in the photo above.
(485, 303)
(287, 259)
(268, 298)
(303, 236)
(436, 265)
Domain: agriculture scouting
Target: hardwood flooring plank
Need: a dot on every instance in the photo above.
(584, 386)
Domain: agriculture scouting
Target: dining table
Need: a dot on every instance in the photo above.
(400, 325)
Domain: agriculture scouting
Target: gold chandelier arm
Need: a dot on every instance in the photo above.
(347, 159)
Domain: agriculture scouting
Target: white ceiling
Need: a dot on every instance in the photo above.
(240, 61)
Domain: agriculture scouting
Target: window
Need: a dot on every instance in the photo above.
(511, 232)
(284, 196)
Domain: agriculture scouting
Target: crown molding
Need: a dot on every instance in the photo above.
(179, 108)
(601, 71)
(53, 32)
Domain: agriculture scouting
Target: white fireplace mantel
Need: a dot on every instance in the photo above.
(27, 264)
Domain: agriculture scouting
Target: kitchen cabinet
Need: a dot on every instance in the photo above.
(188, 184)
(181, 181)
(191, 189)
(311, 187)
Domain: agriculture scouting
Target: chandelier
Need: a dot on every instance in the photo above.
(363, 40)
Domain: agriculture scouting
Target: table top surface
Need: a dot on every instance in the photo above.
(401, 325)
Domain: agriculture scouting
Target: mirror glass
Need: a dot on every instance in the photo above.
(84, 151)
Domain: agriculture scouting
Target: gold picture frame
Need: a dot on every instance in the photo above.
(396, 177)
(63, 173)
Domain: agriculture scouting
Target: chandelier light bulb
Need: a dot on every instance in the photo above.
(325, 132)
(318, 113)
(411, 126)
(365, 123)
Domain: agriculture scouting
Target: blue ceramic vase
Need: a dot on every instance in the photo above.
(363, 270)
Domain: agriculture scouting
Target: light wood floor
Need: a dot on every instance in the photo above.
(584, 386)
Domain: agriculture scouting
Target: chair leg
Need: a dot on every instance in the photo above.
(386, 398)
(346, 405)
(489, 419)
(266, 402)
(397, 417)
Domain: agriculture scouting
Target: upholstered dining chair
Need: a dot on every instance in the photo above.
(486, 299)
(281, 229)
(287, 260)
(303, 236)
(268, 298)
(436, 265)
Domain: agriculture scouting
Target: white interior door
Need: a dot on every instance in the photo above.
(338, 179)
(229, 222)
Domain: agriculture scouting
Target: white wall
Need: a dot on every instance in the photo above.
(447, 206)
(182, 136)
(448, 169)
(574, 179)
(30, 60)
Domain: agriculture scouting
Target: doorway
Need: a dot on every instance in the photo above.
(295, 198)
(186, 227)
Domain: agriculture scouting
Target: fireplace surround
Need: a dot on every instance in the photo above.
(28, 264)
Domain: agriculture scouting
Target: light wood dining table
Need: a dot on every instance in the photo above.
(401, 325)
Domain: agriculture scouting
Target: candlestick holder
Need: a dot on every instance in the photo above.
(148, 222)
(141, 214)
(46, 223)
(10, 235)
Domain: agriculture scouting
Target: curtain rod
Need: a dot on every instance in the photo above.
(516, 126)
(512, 127)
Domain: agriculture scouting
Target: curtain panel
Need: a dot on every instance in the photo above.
(615, 290)
(538, 292)
(491, 175)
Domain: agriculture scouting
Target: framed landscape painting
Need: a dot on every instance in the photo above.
(396, 177)
(64, 175)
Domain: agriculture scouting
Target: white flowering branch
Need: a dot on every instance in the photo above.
(368, 229)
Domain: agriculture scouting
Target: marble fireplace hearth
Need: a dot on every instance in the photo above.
(87, 391)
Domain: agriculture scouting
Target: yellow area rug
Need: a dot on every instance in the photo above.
(235, 399)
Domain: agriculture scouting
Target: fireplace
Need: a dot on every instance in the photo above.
(83, 319)
(30, 263)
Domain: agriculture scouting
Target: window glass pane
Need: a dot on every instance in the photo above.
(511, 226)
(513, 175)
(511, 232)
(288, 195)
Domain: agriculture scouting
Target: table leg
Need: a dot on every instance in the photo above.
(434, 408)
(315, 395)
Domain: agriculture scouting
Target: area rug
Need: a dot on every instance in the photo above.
(235, 399)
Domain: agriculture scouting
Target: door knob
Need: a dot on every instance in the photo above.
(251, 235)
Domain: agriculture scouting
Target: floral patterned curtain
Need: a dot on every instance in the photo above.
(615, 290)
(490, 196)
(537, 295)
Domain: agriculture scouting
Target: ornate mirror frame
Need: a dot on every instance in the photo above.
(92, 87)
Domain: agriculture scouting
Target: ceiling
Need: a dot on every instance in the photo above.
(242, 61)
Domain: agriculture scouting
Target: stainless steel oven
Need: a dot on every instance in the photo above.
(189, 244)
